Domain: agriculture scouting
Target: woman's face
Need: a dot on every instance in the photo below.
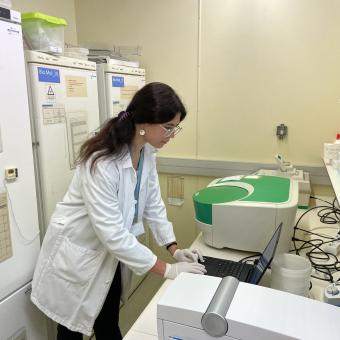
(159, 134)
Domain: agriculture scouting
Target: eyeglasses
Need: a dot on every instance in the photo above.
(171, 131)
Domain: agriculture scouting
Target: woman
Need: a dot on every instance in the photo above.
(90, 247)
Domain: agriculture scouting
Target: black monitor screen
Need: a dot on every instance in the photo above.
(266, 257)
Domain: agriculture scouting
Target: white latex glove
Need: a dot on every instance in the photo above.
(187, 255)
(172, 270)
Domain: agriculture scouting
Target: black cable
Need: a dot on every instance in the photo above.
(325, 269)
(328, 214)
(249, 257)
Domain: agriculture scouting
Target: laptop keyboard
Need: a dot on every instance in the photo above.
(230, 268)
(222, 268)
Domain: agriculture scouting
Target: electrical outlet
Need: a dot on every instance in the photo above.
(11, 173)
(332, 294)
(281, 131)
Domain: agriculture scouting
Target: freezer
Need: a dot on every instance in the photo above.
(19, 228)
(116, 85)
(20, 319)
(64, 112)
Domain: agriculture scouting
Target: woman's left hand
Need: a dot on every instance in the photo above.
(188, 255)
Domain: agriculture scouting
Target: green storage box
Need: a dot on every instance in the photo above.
(43, 32)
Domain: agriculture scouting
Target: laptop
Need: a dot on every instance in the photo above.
(244, 272)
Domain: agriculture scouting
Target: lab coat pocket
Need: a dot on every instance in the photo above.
(76, 264)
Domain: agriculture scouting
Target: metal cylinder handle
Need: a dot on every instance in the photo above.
(213, 320)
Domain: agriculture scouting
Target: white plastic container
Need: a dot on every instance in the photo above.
(43, 32)
(331, 150)
(291, 273)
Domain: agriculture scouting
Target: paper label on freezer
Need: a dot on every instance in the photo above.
(53, 114)
(122, 99)
(5, 234)
(76, 86)
(127, 92)
(117, 81)
(117, 106)
(77, 133)
(48, 75)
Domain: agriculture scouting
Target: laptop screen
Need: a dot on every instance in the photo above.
(266, 257)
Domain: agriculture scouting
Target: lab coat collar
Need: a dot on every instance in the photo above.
(127, 161)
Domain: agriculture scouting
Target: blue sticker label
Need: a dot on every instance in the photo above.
(117, 81)
(48, 75)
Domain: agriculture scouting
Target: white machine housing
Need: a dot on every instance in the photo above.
(286, 169)
(303, 179)
(254, 313)
(248, 224)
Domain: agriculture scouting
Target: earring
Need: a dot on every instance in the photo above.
(142, 132)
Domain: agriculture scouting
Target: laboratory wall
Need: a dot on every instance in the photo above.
(242, 67)
(264, 63)
(61, 8)
(167, 31)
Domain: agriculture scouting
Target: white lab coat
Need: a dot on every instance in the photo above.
(90, 231)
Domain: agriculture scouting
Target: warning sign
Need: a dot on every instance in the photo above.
(50, 92)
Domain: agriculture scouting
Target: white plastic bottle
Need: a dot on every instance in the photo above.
(331, 150)
(337, 140)
(336, 159)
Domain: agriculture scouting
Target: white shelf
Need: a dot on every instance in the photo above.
(334, 176)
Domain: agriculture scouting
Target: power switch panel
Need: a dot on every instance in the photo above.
(11, 173)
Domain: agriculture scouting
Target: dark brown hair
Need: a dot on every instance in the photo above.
(155, 103)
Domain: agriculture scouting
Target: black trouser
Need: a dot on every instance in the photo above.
(106, 325)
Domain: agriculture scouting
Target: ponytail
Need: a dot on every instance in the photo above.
(110, 140)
